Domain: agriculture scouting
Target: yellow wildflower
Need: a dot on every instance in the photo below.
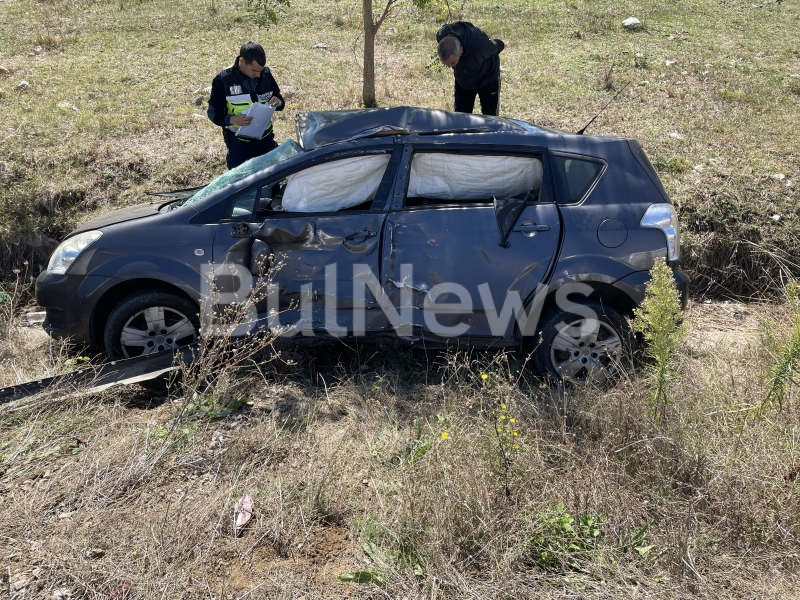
(503, 406)
(511, 420)
(445, 435)
(484, 376)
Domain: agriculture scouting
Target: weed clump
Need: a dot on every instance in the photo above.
(783, 347)
(660, 321)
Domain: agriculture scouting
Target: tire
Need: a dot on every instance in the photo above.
(567, 353)
(150, 321)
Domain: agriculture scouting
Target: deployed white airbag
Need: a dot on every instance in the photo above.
(469, 177)
(335, 185)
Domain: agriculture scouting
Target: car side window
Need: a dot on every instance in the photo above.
(577, 175)
(242, 207)
(438, 178)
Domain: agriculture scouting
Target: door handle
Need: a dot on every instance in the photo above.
(529, 228)
(359, 237)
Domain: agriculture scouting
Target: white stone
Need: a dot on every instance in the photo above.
(779, 177)
(23, 85)
(669, 63)
(320, 46)
(675, 135)
(639, 55)
(776, 218)
(631, 23)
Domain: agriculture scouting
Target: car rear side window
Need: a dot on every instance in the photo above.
(446, 178)
(577, 176)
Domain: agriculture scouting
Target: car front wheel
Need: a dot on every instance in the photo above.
(150, 321)
(584, 349)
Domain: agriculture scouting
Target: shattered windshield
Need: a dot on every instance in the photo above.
(284, 152)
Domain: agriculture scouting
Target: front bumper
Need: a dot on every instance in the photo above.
(69, 301)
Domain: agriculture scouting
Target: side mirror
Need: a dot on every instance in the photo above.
(260, 258)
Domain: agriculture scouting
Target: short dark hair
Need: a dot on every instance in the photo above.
(250, 51)
(449, 46)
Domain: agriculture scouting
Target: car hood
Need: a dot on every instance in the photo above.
(118, 216)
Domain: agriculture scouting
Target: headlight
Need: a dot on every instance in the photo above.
(664, 217)
(69, 250)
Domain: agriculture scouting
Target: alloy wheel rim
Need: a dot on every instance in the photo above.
(586, 351)
(156, 329)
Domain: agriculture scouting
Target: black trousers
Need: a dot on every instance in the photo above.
(240, 151)
(489, 95)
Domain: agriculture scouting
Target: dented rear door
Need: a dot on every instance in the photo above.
(450, 252)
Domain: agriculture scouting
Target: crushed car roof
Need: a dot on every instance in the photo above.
(317, 129)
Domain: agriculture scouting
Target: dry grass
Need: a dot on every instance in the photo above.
(343, 453)
(128, 494)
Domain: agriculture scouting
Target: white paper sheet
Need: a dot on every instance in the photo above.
(262, 115)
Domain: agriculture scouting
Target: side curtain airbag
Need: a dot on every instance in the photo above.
(469, 177)
(335, 185)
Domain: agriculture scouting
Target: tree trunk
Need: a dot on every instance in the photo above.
(368, 91)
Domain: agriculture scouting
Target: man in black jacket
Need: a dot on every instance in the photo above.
(233, 92)
(475, 61)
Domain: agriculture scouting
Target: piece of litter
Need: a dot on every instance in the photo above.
(242, 513)
(36, 318)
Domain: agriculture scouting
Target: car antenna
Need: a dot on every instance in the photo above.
(602, 109)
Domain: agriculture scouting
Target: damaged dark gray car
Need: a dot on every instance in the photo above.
(435, 227)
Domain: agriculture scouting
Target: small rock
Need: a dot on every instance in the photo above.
(639, 55)
(669, 63)
(96, 553)
(67, 106)
(365, 481)
(779, 177)
(776, 218)
(38, 49)
(198, 101)
(4, 71)
(66, 515)
(23, 85)
(60, 595)
(320, 46)
(631, 23)
(675, 135)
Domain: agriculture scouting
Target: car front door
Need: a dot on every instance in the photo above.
(309, 234)
(450, 241)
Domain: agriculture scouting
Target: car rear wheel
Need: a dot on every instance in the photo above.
(581, 349)
(150, 321)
